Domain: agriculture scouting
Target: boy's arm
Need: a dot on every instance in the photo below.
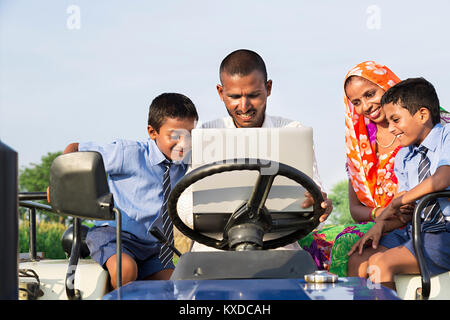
(440, 180)
(73, 147)
(392, 224)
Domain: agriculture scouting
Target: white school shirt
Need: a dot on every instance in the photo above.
(185, 201)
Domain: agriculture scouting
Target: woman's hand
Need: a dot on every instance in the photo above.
(373, 235)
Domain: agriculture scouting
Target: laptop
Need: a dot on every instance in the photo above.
(221, 194)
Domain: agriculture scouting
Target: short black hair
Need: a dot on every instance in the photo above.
(243, 62)
(413, 94)
(170, 105)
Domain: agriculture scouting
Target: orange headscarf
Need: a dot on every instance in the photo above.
(372, 179)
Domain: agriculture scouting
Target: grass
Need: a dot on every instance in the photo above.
(48, 238)
(182, 243)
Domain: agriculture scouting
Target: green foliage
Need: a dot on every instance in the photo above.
(35, 178)
(339, 196)
(48, 239)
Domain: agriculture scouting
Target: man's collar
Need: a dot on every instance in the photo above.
(267, 122)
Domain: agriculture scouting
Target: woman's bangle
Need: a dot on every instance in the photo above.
(372, 213)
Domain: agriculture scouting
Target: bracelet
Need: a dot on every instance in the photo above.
(372, 213)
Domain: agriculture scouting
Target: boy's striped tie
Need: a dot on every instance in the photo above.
(166, 254)
(434, 220)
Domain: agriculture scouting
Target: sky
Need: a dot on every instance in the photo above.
(87, 70)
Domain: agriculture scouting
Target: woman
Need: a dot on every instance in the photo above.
(371, 151)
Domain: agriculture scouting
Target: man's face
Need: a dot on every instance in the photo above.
(245, 98)
(409, 129)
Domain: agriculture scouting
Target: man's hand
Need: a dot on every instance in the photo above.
(373, 235)
(327, 204)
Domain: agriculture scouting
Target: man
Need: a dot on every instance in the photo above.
(244, 89)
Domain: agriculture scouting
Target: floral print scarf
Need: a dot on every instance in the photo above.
(372, 179)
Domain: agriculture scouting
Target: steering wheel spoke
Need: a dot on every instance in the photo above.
(260, 193)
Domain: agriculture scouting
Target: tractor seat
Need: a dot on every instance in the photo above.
(407, 284)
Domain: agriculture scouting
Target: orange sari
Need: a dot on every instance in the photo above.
(372, 178)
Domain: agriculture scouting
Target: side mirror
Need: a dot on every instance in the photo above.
(78, 186)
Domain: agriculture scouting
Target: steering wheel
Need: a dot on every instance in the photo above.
(251, 221)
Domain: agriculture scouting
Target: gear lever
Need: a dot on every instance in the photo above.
(162, 239)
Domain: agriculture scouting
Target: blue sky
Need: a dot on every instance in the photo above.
(60, 84)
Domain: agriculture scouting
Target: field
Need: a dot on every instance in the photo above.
(48, 239)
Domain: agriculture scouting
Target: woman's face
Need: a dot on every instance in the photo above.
(365, 96)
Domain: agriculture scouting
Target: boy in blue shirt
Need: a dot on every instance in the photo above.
(140, 176)
(422, 166)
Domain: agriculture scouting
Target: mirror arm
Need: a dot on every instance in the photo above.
(417, 240)
(32, 233)
(72, 293)
(118, 248)
(118, 242)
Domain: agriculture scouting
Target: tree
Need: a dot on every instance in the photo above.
(35, 178)
(339, 196)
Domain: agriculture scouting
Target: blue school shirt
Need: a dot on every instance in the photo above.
(135, 177)
(408, 158)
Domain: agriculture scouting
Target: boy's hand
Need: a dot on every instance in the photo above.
(393, 208)
(405, 212)
(397, 209)
(374, 234)
(327, 204)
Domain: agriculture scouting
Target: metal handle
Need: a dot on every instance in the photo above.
(417, 240)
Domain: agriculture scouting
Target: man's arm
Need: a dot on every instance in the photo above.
(327, 204)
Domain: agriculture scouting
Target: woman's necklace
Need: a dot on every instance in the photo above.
(387, 146)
